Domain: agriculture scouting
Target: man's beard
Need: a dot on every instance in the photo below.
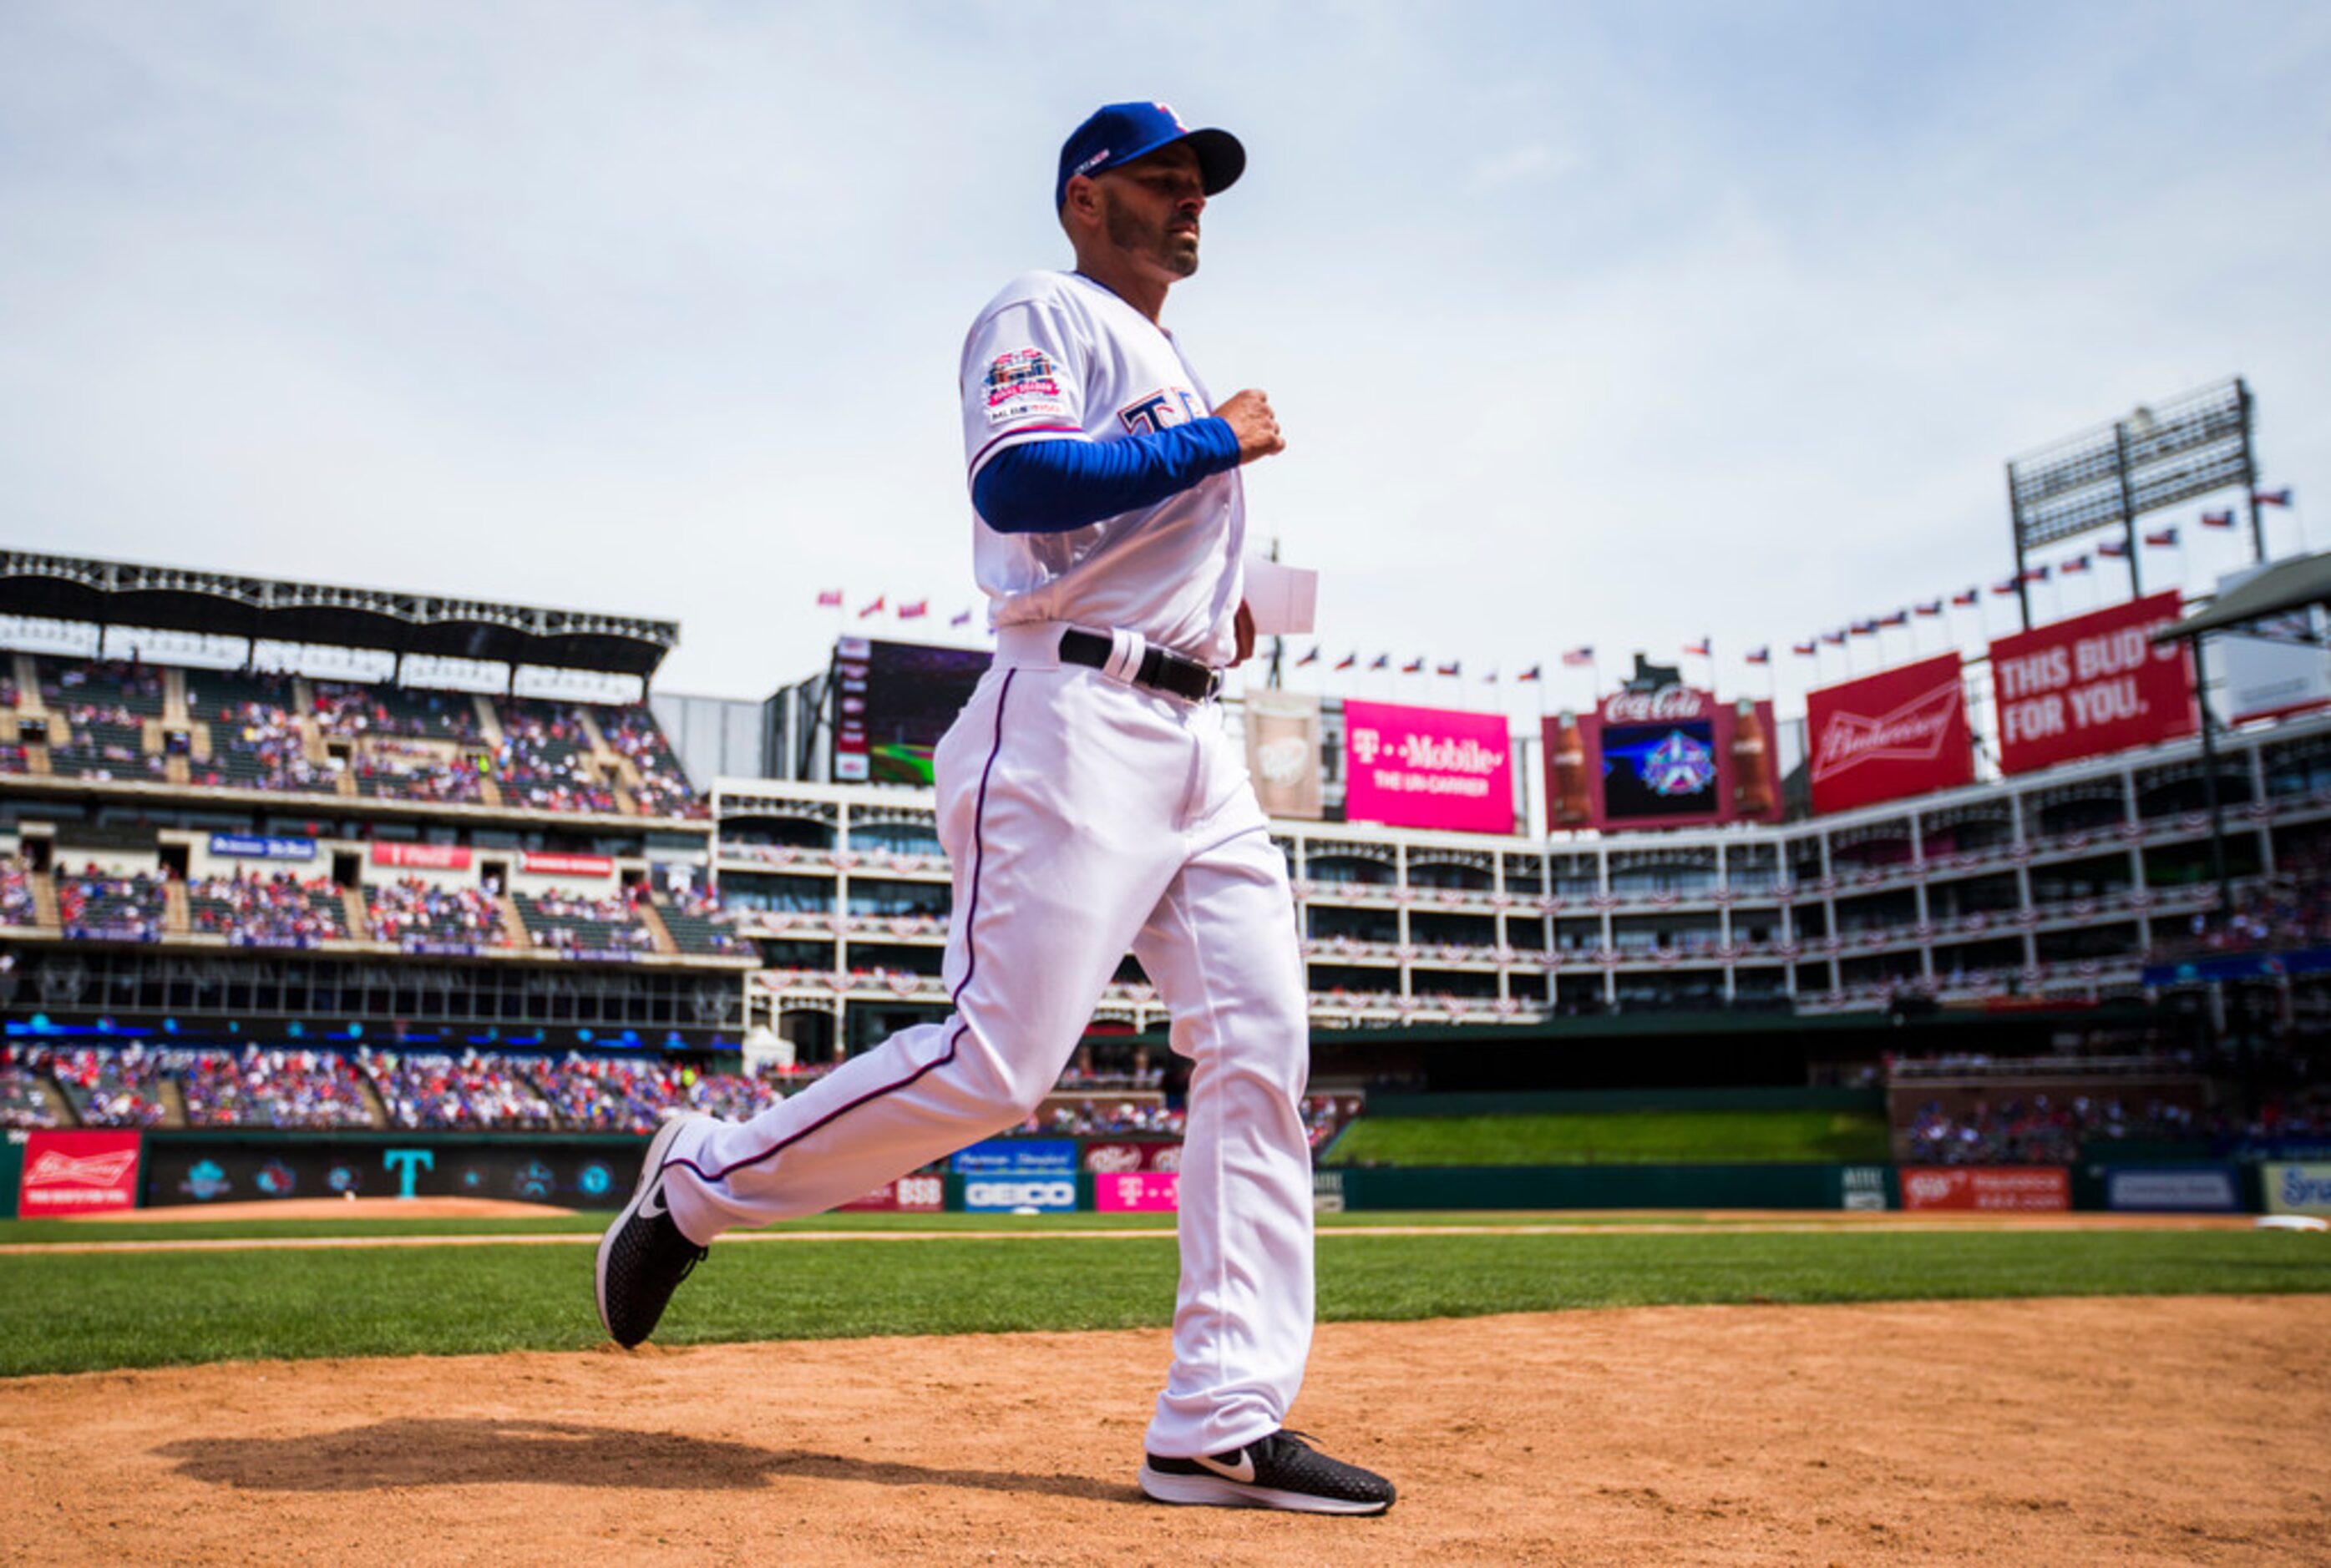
(1128, 232)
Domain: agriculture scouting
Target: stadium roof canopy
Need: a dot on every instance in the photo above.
(2277, 590)
(223, 605)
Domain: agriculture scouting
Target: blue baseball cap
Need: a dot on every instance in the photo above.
(1118, 133)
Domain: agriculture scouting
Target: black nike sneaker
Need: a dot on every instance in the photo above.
(1280, 1471)
(643, 1257)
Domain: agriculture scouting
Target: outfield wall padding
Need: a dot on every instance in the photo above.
(1604, 1102)
(570, 1171)
(1764, 1186)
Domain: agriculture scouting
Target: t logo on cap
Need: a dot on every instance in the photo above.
(1118, 133)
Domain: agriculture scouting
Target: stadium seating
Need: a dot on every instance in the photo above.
(270, 1089)
(25, 1097)
(276, 911)
(98, 904)
(132, 689)
(17, 904)
(353, 710)
(566, 923)
(472, 1090)
(415, 913)
(391, 769)
(697, 925)
(545, 759)
(663, 789)
(107, 1088)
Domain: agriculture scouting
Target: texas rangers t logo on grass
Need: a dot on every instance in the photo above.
(1161, 410)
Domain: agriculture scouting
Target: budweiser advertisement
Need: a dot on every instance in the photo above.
(77, 1172)
(1885, 737)
(1987, 1187)
(1282, 752)
(1427, 767)
(2093, 684)
(1672, 757)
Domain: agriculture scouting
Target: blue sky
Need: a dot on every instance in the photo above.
(1611, 324)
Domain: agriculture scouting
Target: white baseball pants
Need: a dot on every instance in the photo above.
(1084, 816)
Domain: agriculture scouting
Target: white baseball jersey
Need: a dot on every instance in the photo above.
(1058, 357)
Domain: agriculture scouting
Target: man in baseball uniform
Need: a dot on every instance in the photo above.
(1090, 803)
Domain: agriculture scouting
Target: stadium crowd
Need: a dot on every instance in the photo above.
(269, 911)
(97, 903)
(411, 910)
(262, 1087)
(2039, 1129)
(474, 1090)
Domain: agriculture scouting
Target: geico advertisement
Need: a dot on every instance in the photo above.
(993, 1194)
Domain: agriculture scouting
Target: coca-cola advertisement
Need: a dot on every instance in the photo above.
(1885, 737)
(77, 1172)
(2093, 684)
(1428, 768)
(1668, 756)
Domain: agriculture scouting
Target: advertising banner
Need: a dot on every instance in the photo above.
(906, 1195)
(77, 1172)
(1428, 768)
(2091, 685)
(2047, 1188)
(1005, 1195)
(2282, 670)
(1115, 1157)
(1888, 735)
(2174, 1189)
(542, 865)
(2288, 1189)
(1282, 752)
(1017, 1157)
(255, 847)
(423, 857)
(1669, 757)
(1138, 1192)
(531, 1170)
(892, 701)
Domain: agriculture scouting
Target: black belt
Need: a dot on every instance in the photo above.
(1160, 671)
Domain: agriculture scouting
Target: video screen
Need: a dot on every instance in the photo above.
(1660, 769)
(892, 702)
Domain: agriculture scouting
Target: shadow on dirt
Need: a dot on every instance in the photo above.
(452, 1453)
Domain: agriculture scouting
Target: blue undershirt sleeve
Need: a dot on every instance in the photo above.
(1049, 487)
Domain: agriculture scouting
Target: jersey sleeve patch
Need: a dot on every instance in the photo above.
(1023, 384)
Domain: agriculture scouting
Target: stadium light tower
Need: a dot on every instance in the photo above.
(2163, 453)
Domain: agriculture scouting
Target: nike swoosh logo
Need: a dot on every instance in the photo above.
(653, 1203)
(1241, 1471)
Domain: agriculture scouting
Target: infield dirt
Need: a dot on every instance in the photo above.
(2156, 1430)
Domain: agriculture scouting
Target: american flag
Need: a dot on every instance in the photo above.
(2112, 550)
(1803, 649)
(2270, 497)
(876, 607)
(1413, 666)
(916, 611)
(2224, 520)
(1381, 662)
(1454, 667)
(2162, 538)
(1931, 607)
(1348, 660)
(1310, 658)
(1757, 655)
(1972, 597)
(1534, 672)
(962, 619)
(1578, 656)
(829, 599)
(1697, 650)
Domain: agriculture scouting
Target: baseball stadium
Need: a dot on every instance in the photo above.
(339, 1009)
(1800, 1034)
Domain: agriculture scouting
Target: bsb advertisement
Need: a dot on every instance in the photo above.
(2095, 684)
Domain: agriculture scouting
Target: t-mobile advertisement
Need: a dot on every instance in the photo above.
(892, 701)
(1885, 737)
(1669, 757)
(1428, 768)
(2093, 684)
(1138, 1192)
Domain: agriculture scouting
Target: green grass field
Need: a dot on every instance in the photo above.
(74, 1312)
(1618, 1137)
